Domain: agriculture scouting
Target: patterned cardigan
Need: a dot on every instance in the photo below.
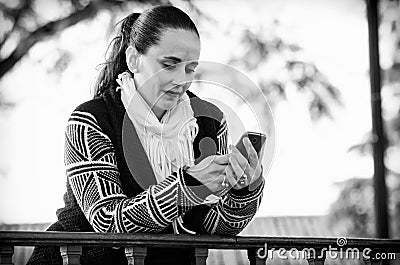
(103, 196)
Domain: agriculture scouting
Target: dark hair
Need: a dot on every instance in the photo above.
(142, 31)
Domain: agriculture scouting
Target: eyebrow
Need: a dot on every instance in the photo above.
(178, 60)
(173, 58)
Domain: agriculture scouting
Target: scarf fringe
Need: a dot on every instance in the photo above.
(169, 143)
(166, 149)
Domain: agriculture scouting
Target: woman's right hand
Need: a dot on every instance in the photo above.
(211, 172)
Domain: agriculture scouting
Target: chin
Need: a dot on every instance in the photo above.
(167, 104)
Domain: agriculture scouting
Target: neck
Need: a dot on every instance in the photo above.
(158, 112)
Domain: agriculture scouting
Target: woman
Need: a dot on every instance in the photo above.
(146, 155)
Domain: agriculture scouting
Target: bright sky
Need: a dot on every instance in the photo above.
(309, 157)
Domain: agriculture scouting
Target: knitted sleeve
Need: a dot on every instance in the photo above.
(236, 208)
(94, 179)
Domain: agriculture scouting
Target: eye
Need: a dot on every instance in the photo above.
(189, 70)
(168, 66)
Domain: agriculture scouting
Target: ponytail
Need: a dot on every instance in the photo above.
(115, 63)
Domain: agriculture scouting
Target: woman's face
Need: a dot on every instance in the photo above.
(176, 55)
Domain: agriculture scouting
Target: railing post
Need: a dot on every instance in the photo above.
(6, 253)
(253, 254)
(135, 255)
(200, 256)
(71, 254)
(317, 257)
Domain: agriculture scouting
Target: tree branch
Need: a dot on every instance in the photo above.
(51, 28)
(46, 31)
(16, 16)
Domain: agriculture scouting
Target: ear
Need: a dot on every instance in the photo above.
(132, 59)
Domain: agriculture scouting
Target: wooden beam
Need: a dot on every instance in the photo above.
(31, 238)
(6, 254)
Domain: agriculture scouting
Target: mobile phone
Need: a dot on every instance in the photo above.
(257, 140)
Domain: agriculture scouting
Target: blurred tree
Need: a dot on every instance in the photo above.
(26, 22)
(353, 211)
(354, 208)
(303, 75)
(358, 214)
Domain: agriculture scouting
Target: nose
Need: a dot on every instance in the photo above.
(180, 78)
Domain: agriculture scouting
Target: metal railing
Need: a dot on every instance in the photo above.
(314, 248)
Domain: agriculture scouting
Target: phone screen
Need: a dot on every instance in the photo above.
(256, 139)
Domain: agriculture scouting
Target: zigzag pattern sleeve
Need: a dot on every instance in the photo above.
(233, 212)
(94, 178)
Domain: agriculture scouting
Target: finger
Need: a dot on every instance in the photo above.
(256, 173)
(254, 162)
(252, 153)
(239, 157)
(253, 176)
(209, 165)
(230, 176)
(216, 174)
(243, 162)
(242, 182)
(221, 159)
(221, 169)
(256, 182)
(237, 169)
(261, 153)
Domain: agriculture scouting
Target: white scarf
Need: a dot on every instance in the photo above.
(169, 142)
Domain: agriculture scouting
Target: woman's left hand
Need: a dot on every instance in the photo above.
(245, 171)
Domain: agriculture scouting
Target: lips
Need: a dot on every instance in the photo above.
(173, 93)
